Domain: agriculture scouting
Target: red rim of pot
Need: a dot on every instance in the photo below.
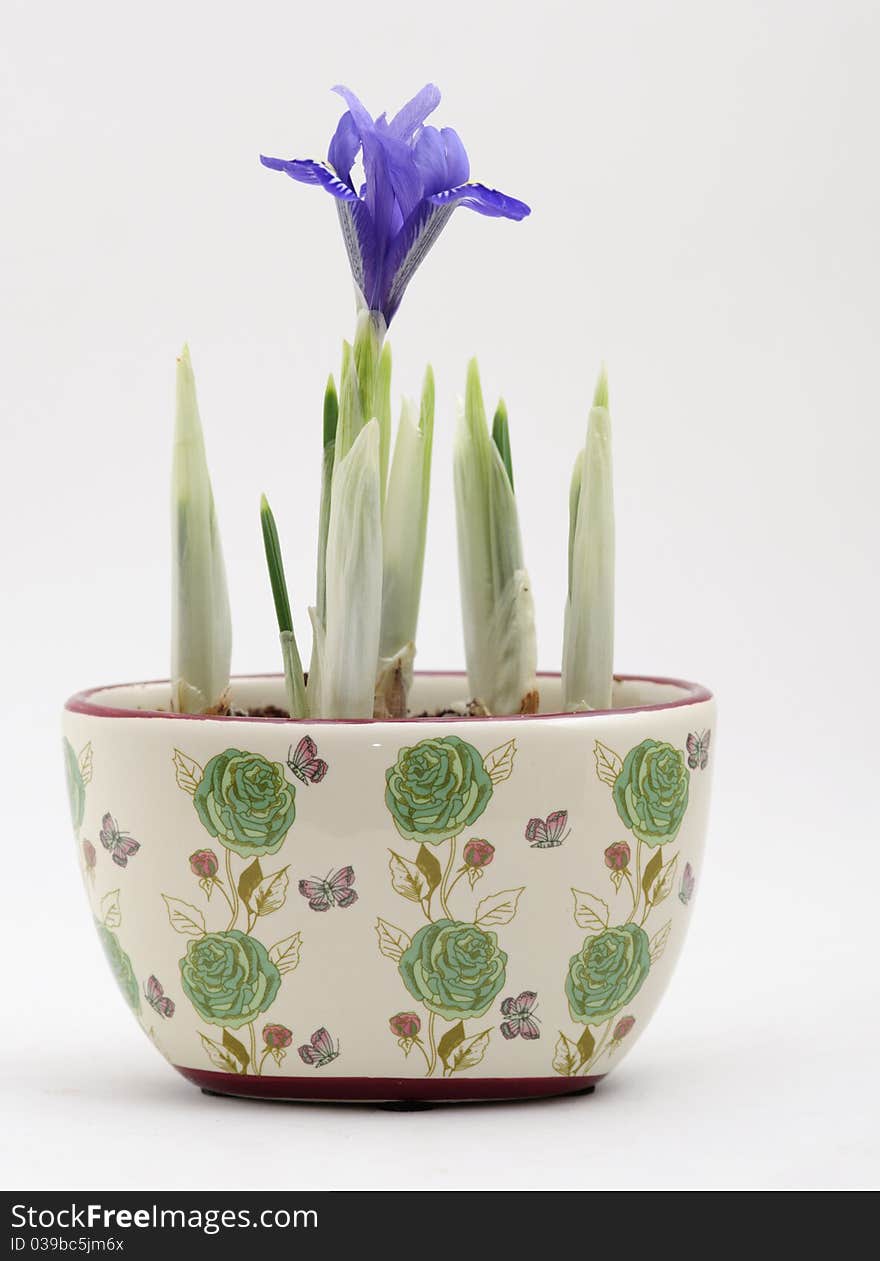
(82, 703)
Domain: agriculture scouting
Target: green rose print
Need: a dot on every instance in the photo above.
(436, 789)
(76, 788)
(606, 973)
(651, 791)
(455, 969)
(120, 966)
(229, 978)
(246, 802)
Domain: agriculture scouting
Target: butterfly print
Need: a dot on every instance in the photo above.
(336, 890)
(121, 846)
(686, 890)
(158, 999)
(305, 763)
(521, 1021)
(319, 1050)
(698, 749)
(549, 832)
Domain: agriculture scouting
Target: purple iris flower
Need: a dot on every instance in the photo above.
(415, 176)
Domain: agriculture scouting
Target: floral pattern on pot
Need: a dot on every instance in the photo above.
(436, 789)
(120, 966)
(456, 970)
(615, 959)
(246, 801)
(229, 978)
(606, 973)
(78, 772)
(229, 975)
(454, 967)
(651, 791)
(465, 984)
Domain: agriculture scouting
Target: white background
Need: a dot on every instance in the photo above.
(706, 201)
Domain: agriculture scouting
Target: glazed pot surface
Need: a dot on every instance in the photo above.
(428, 909)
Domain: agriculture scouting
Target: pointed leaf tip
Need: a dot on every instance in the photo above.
(331, 412)
(600, 397)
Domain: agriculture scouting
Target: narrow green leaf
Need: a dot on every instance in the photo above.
(497, 604)
(501, 438)
(600, 395)
(201, 643)
(331, 412)
(354, 582)
(588, 647)
(383, 415)
(294, 679)
(275, 564)
(404, 528)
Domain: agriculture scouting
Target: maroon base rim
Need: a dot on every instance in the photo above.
(386, 1089)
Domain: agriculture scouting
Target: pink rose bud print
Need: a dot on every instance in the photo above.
(617, 856)
(478, 853)
(405, 1024)
(89, 854)
(277, 1037)
(204, 863)
(622, 1028)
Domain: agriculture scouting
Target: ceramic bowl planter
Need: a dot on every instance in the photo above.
(428, 909)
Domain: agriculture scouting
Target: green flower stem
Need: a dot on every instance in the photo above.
(632, 890)
(638, 887)
(432, 1043)
(444, 891)
(222, 887)
(420, 1044)
(263, 1060)
(461, 872)
(293, 672)
(234, 903)
(252, 1037)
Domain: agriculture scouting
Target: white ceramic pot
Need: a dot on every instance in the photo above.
(428, 909)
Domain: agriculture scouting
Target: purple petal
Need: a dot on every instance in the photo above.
(307, 171)
(429, 156)
(344, 147)
(410, 117)
(360, 115)
(403, 172)
(360, 244)
(423, 227)
(486, 201)
(408, 250)
(458, 169)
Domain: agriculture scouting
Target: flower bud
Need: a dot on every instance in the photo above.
(478, 853)
(622, 1028)
(617, 856)
(277, 1036)
(405, 1024)
(204, 863)
(89, 854)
